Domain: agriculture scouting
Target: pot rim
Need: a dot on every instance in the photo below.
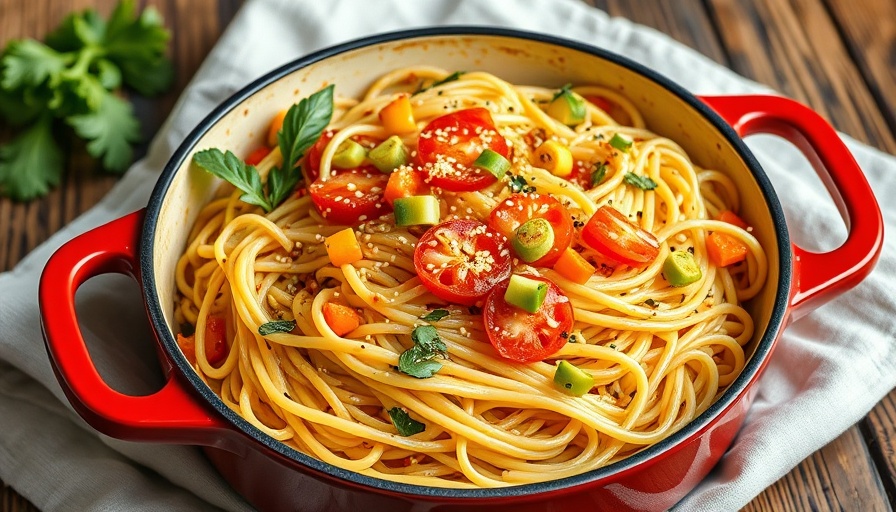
(646, 456)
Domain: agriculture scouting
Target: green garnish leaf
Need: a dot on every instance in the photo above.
(436, 315)
(598, 175)
(621, 142)
(520, 184)
(642, 182)
(566, 89)
(450, 78)
(281, 183)
(403, 422)
(303, 124)
(74, 78)
(31, 163)
(238, 173)
(111, 129)
(417, 361)
(276, 326)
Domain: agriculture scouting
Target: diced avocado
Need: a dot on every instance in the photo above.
(533, 239)
(567, 107)
(621, 142)
(681, 269)
(349, 155)
(389, 154)
(493, 162)
(526, 293)
(416, 210)
(572, 380)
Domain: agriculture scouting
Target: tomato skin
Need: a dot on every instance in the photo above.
(338, 201)
(258, 155)
(316, 151)
(613, 235)
(457, 244)
(511, 213)
(528, 337)
(215, 341)
(456, 140)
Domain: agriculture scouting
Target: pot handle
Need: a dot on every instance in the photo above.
(173, 414)
(818, 277)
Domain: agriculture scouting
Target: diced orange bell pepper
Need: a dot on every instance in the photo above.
(574, 267)
(342, 319)
(724, 249)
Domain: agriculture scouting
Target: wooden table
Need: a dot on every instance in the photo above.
(835, 55)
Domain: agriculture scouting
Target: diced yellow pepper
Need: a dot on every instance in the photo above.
(343, 247)
(398, 117)
(554, 157)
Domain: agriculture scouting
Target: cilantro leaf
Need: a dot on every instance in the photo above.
(276, 326)
(233, 170)
(110, 129)
(417, 361)
(28, 64)
(31, 163)
(403, 422)
(77, 30)
(642, 182)
(598, 175)
(436, 315)
(137, 45)
(303, 125)
(450, 78)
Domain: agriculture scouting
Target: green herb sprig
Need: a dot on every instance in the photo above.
(276, 326)
(417, 361)
(302, 126)
(403, 422)
(642, 182)
(450, 78)
(72, 80)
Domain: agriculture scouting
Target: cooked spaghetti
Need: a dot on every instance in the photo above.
(651, 344)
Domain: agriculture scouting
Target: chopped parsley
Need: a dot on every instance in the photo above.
(436, 315)
(636, 180)
(417, 361)
(450, 78)
(403, 422)
(276, 326)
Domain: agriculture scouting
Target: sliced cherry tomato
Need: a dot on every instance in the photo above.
(462, 260)
(215, 341)
(352, 196)
(448, 146)
(616, 237)
(528, 337)
(512, 212)
(258, 155)
(313, 156)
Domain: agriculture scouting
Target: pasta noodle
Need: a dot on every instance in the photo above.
(659, 354)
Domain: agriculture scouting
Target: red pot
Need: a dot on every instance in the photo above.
(273, 476)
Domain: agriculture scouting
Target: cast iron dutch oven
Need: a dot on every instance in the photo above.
(273, 476)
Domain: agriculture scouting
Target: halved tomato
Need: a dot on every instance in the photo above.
(528, 337)
(448, 146)
(462, 260)
(616, 237)
(215, 341)
(352, 196)
(512, 212)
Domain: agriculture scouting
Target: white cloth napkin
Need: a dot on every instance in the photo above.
(828, 371)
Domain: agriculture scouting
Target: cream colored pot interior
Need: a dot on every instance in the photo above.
(516, 60)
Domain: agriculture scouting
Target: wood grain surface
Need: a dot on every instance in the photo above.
(838, 56)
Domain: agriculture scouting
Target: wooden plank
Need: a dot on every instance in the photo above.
(879, 428)
(769, 41)
(869, 31)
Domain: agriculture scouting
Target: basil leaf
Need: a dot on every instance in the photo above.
(276, 326)
(436, 315)
(450, 78)
(598, 175)
(620, 142)
(230, 168)
(281, 183)
(403, 422)
(427, 337)
(303, 124)
(642, 182)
